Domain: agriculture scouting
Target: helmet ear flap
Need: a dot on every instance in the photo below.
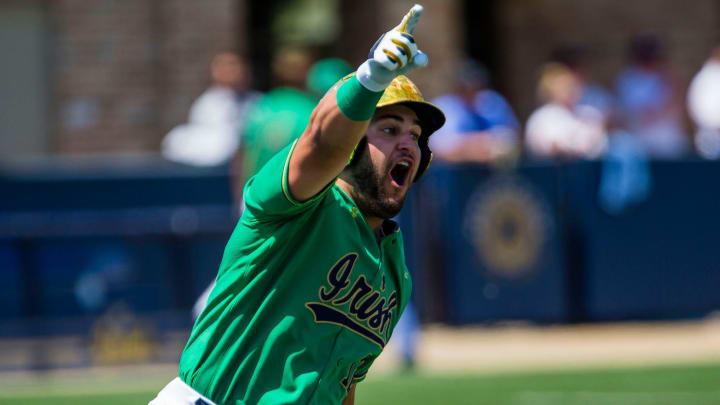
(425, 157)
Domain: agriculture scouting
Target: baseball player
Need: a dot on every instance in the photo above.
(313, 279)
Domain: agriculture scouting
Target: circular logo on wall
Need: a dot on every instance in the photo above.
(508, 224)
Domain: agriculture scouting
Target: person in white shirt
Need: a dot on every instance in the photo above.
(704, 106)
(561, 128)
(212, 133)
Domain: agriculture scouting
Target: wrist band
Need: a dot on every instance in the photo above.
(355, 101)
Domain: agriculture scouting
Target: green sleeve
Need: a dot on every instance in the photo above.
(355, 101)
(267, 194)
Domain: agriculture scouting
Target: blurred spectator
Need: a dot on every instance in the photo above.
(649, 100)
(704, 106)
(593, 94)
(215, 120)
(406, 336)
(481, 126)
(325, 73)
(561, 128)
(281, 115)
(626, 178)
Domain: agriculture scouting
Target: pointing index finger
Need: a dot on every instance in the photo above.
(410, 20)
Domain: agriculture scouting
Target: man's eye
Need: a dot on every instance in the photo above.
(415, 135)
(389, 130)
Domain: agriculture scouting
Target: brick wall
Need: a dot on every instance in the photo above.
(125, 72)
(439, 35)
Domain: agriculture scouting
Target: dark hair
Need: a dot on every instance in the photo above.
(646, 48)
(572, 56)
(472, 71)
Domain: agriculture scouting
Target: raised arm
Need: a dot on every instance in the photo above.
(341, 118)
(350, 397)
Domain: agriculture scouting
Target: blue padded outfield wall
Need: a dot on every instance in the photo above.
(75, 242)
(501, 243)
(484, 245)
(538, 244)
(660, 257)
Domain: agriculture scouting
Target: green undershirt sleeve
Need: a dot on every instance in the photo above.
(355, 101)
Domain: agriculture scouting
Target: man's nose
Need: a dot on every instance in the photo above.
(407, 142)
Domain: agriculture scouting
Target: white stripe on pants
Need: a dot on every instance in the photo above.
(179, 393)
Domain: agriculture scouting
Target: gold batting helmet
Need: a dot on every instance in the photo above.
(402, 91)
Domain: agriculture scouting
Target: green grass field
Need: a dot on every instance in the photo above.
(689, 385)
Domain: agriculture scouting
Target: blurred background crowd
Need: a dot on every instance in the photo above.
(573, 181)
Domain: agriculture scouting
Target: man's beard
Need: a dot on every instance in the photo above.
(368, 192)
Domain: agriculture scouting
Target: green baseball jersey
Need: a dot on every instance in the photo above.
(306, 298)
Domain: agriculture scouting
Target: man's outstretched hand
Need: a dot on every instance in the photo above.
(395, 53)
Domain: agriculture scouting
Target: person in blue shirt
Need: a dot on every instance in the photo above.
(481, 126)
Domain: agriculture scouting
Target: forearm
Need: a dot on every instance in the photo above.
(330, 138)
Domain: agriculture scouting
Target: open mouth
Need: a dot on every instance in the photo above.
(399, 173)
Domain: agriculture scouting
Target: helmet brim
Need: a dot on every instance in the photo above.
(431, 117)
